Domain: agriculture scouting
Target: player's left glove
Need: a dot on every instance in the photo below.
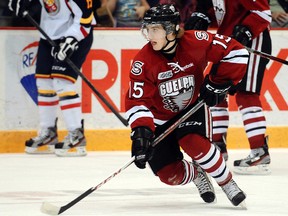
(19, 6)
(242, 34)
(213, 93)
(142, 138)
(65, 49)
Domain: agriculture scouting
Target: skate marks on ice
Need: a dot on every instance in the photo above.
(149, 201)
(28, 181)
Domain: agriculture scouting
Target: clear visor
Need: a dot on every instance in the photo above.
(153, 31)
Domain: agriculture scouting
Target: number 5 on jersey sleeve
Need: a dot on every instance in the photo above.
(136, 89)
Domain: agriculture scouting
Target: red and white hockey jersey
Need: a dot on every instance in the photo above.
(161, 88)
(62, 18)
(255, 14)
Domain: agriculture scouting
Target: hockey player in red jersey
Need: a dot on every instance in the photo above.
(248, 23)
(166, 79)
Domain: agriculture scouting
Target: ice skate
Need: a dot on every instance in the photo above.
(74, 144)
(257, 162)
(204, 186)
(234, 193)
(44, 142)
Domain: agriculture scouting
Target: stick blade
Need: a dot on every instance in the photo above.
(50, 209)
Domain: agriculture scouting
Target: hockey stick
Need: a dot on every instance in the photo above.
(51, 209)
(76, 69)
(267, 56)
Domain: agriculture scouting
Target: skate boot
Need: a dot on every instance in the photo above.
(257, 162)
(234, 193)
(204, 186)
(44, 142)
(74, 144)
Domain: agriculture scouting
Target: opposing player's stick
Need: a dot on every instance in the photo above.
(51, 209)
(267, 56)
(76, 69)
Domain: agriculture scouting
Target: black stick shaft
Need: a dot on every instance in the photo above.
(267, 56)
(156, 141)
(86, 193)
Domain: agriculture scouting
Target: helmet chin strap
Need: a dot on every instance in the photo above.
(168, 42)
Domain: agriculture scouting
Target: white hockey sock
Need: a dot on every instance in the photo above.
(189, 172)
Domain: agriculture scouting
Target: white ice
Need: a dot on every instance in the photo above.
(28, 180)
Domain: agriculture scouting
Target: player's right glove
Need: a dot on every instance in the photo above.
(242, 34)
(19, 6)
(142, 138)
(213, 93)
(197, 21)
(65, 49)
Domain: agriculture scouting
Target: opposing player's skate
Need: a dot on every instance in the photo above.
(234, 193)
(44, 142)
(257, 162)
(204, 186)
(74, 144)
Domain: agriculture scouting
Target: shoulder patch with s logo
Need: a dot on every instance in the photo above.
(137, 68)
(201, 35)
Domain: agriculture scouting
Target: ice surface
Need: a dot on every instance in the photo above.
(28, 180)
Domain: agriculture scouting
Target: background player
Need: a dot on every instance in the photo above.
(69, 24)
(247, 22)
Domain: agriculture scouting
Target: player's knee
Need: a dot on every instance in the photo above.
(44, 84)
(247, 99)
(63, 86)
(172, 174)
(195, 145)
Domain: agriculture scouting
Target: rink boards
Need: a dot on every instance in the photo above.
(107, 68)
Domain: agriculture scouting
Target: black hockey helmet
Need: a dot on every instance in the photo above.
(164, 14)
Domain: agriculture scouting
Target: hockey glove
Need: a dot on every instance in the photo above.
(232, 91)
(242, 34)
(213, 93)
(197, 21)
(141, 145)
(19, 6)
(65, 49)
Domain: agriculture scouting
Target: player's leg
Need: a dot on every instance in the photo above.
(209, 158)
(248, 101)
(193, 137)
(74, 144)
(172, 169)
(257, 162)
(220, 122)
(47, 104)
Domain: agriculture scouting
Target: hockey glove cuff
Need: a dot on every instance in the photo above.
(197, 21)
(242, 34)
(142, 138)
(213, 93)
(18, 6)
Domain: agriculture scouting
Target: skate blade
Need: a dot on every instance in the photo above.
(243, 205)
(253, 170)
(40, 150)
(73, 152)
